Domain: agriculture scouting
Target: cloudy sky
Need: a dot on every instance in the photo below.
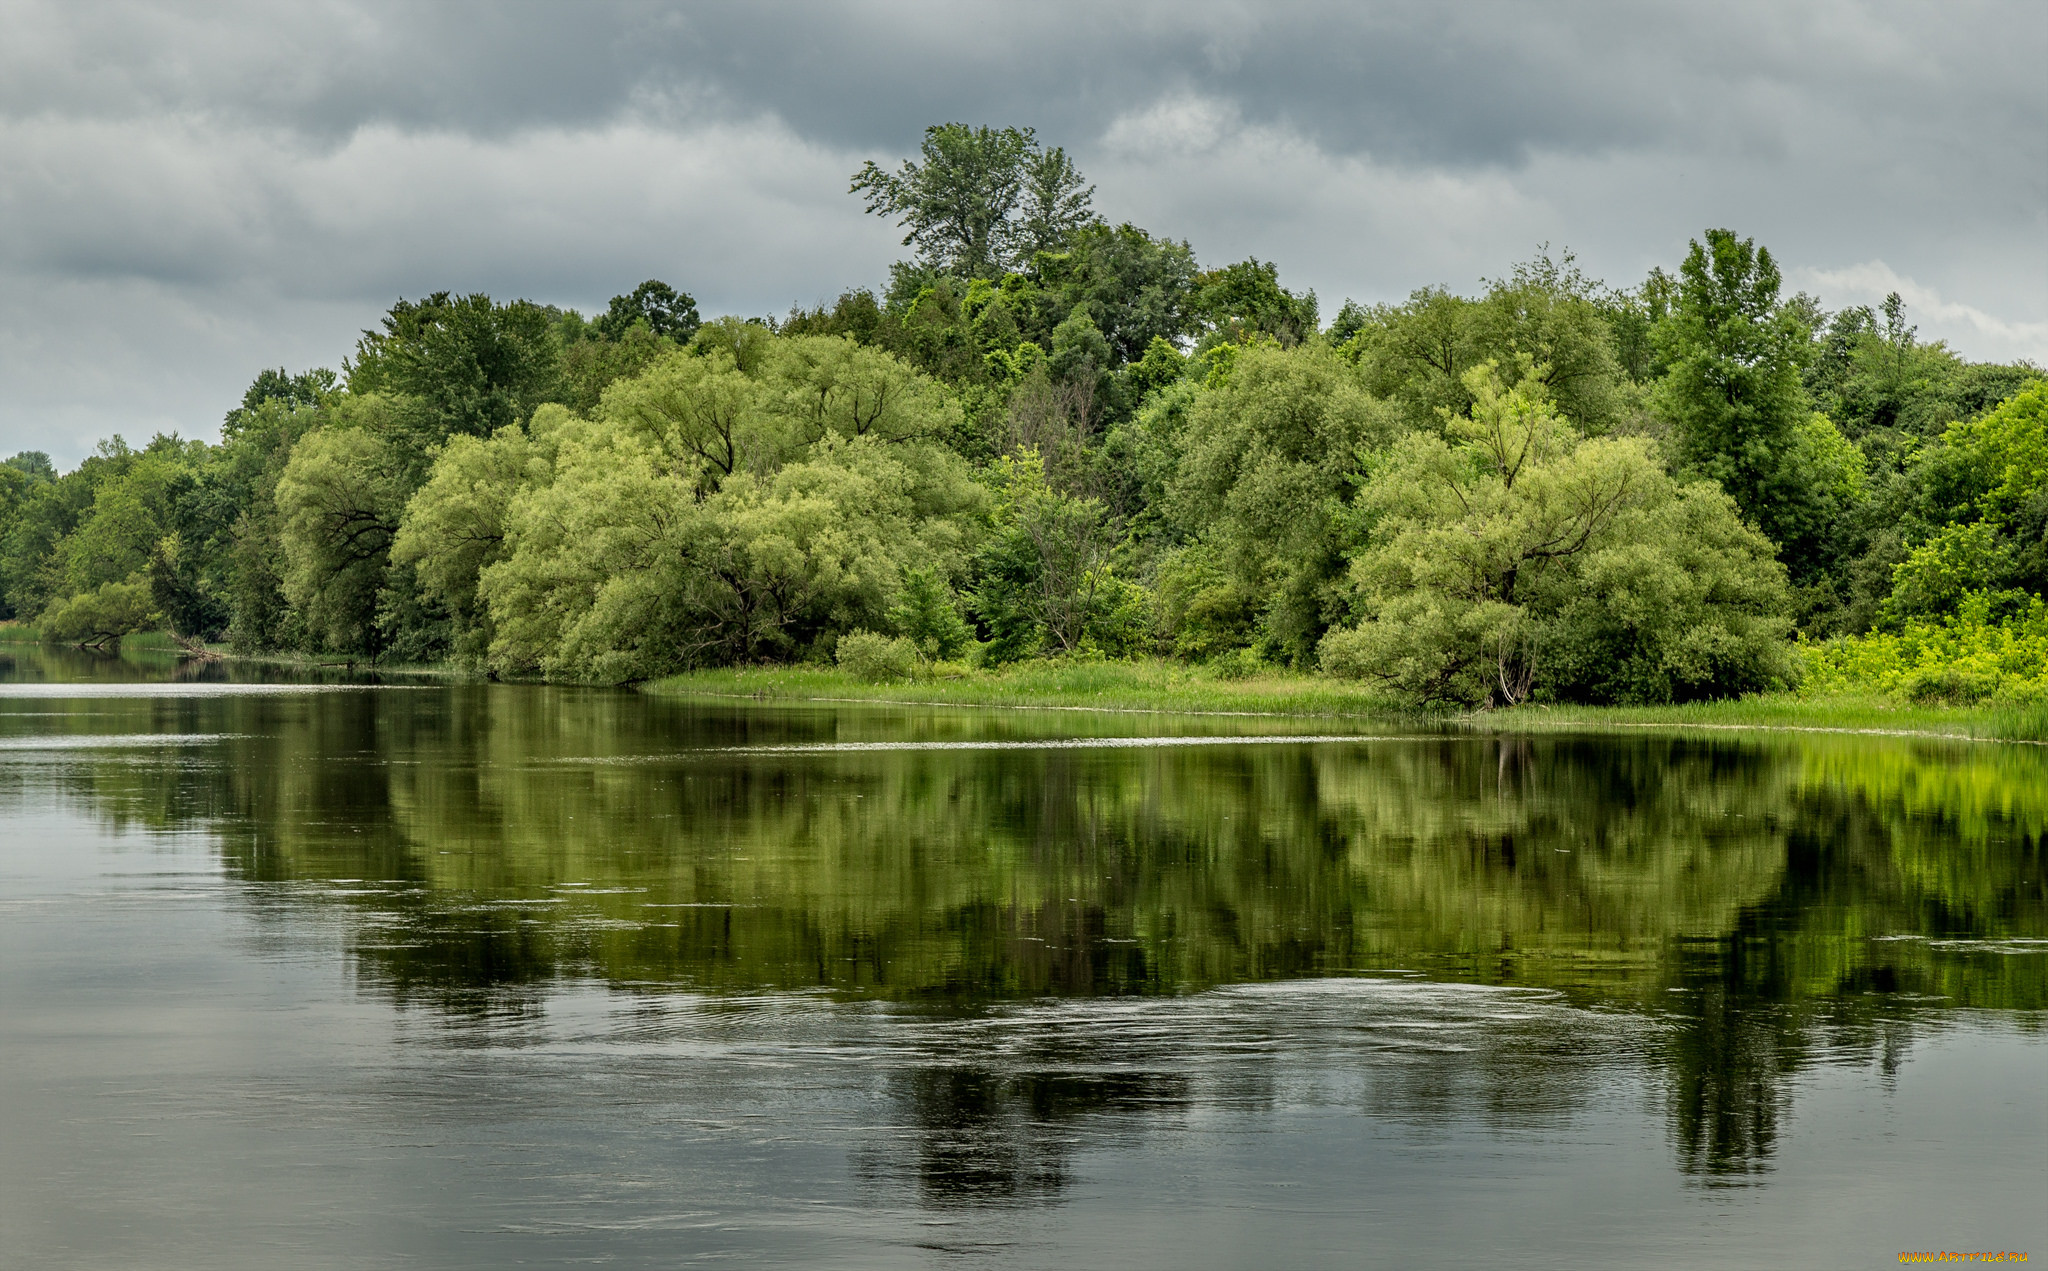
(190, 193)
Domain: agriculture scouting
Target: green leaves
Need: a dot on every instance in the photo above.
(339, 501)
(1733, 393)
(983, 200)
(1995, 471)
(103, 615)
(1516, 560)
(716, 510)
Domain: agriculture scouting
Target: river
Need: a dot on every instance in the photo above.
(332, 972)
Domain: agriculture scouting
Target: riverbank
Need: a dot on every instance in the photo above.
(1127, 686)
(1170, 687)
(1175, 688)
(148, 645)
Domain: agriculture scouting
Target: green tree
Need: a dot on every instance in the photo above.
(1055, 204)
(1415, 355)
(981, 201)
(454, 527)
(1246, 299)
(469, 365)
(1045, 584)
(1988, 486)
(339, 501)
(1550, 311)
(1267, 469)
(927, 614)
(1516, 559)
(1733, 395)
(101, 616)
(666, 312)
(130, 514)
(1136, 289)
(722, 508)
(33, 556)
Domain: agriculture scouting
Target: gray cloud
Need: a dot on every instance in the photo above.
(191, 193)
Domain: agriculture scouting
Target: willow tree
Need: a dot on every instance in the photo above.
(1514, 558)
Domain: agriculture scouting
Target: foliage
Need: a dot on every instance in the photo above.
(1991, 473)
(876, 658)
(1050, 436)
(471, 365)
(1246, 299)
(982, 200)
(339, 500)
(1966, 656)
(101, 616)
(1267, 469)
(1047, 584)
(1733, 394)
(454, 527)
(928, 615)
(665, 312)
(720, 510)
(1516, 559)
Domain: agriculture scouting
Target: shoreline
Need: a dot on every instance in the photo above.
(1167, 688)
(1156, 687)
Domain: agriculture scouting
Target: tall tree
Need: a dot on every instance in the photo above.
(1056, 204)
(982, 201)
(471, 366)
(1733, 395)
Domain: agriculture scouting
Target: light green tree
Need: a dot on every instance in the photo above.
(454, 527)
(720, 509)
(1515, 558)
(97, 618)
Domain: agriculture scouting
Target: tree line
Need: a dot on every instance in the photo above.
(1052, 436)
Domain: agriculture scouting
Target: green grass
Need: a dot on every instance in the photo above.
(1786, 712)
(1146, 685)
(1172, 687)
(19, 633)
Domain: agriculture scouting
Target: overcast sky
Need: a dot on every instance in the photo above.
(191, 193)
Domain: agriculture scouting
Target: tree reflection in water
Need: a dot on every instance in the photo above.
(487, 842)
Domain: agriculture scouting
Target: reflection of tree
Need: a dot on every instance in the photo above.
(1727, 1056)
(503, 837)
(978, 1137)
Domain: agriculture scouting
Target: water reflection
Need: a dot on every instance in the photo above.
(1764, 904)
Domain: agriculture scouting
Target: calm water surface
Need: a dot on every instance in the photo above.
(330, 974)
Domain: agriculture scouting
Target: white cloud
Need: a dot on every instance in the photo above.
(191, 194)
(154, 267)
(1986, 335)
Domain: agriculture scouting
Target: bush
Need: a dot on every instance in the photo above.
(1237, 664)
(1964, 658)
(876, 658)
(100, 617)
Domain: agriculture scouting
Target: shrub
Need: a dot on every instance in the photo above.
(1966, 657)
(1237, 664)
(99, 617)
(876, 658)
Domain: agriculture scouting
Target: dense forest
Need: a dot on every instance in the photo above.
(1052, 436)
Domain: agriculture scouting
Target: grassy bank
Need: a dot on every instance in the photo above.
(1166, 686)
(1787, 712)
(1149, 685)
